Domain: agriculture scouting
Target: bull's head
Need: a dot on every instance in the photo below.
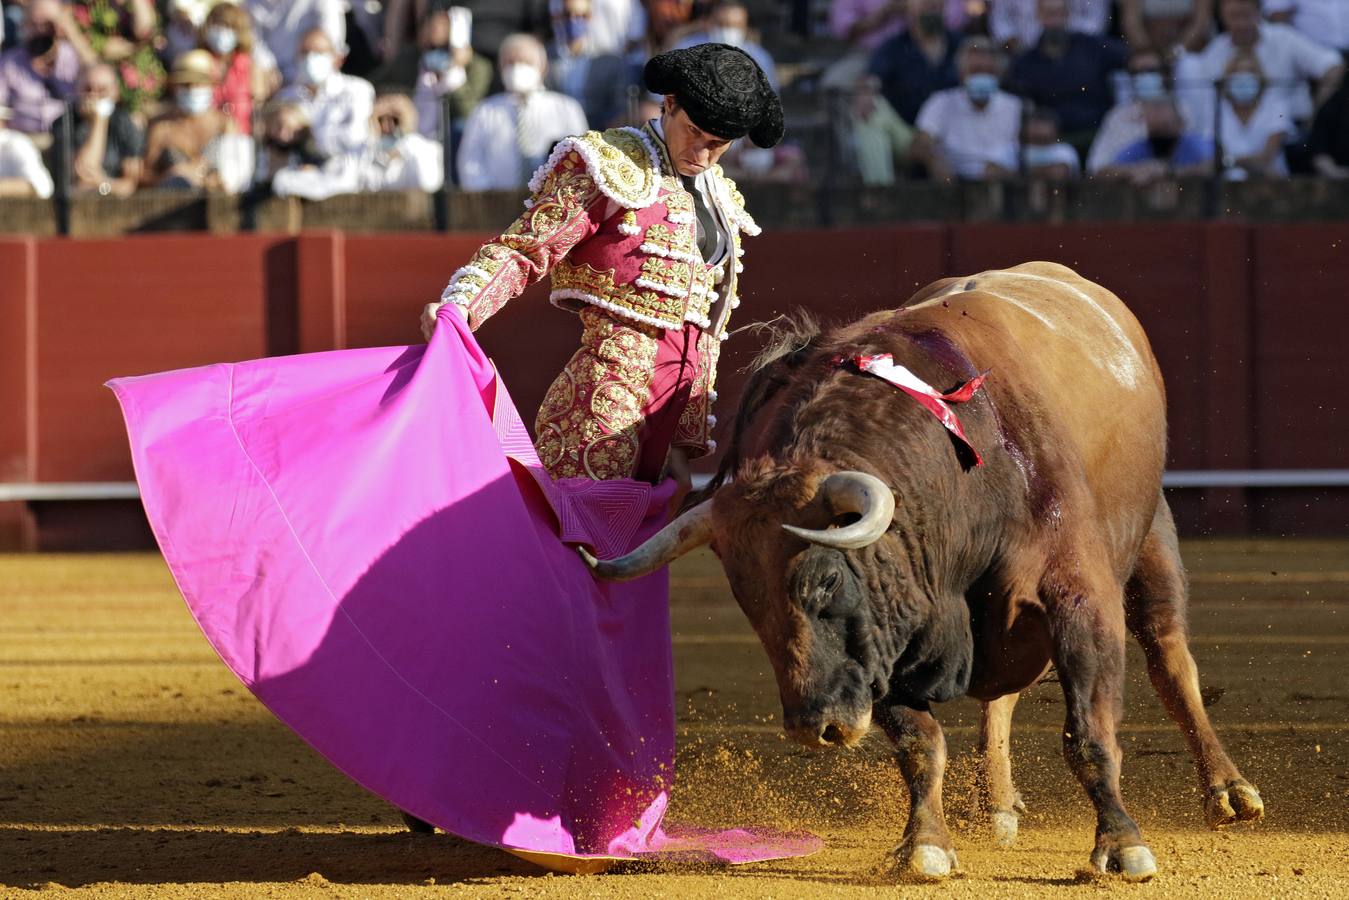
(797, 545)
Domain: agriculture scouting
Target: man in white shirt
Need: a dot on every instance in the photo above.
(338, 105)
(510, 134)
(972, 131)
(282, 25)
(22, 173)
(1288, 58)
(1015, 24)
(1324, 21)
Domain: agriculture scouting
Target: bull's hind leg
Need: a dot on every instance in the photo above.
(1086, 615)
(1002, 799)
(1156, 600)
(926, 852)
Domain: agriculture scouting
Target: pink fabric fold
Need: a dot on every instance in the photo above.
(368, 541)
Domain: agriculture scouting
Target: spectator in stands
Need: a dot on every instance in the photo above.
(970, 132)
(1068, 72)
(106, 142)
(399, 158)
(1254, 123)
(442, 64)
(38, 77)
(338, 106)
(600, 82)
(227, 34)
(176, 142)
(22, 173)
(123, 32)
(728, 23)
(493, 21)
(1125, 124)
(1324, 21)
(287, 141)
(511, 133)
(879, 138)
(182, 27)
(1330, 136)
(283, 25)
(914, 65)
(1169, 150)
(1287, 58)
(1167, 26)
(1043, 155)
(1015, 24)
(614, 25)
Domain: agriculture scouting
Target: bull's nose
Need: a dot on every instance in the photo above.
(832, 734)
(826, 732)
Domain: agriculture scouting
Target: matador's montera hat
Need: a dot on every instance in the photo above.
(722, 89)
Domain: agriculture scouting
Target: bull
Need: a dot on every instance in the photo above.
(884, 571)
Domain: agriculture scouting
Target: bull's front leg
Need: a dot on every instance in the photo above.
(1088, 635)
(926, 851)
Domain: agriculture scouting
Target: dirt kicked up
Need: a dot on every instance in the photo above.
(133, 764)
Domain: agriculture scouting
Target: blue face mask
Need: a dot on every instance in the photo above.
(196, 100)
(574, 28)
(981, 87)
(1038, 156)
(1149, 85)
(437, 59)
(1244, 87)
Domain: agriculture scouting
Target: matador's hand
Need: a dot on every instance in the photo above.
(429, 316)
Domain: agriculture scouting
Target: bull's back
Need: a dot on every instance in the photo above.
(1071, 368)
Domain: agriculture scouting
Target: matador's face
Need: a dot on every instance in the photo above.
(691, 149)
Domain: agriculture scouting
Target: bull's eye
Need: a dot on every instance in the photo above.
(830, 582)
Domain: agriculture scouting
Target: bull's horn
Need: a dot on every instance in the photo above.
(688, 532)
(855, 492)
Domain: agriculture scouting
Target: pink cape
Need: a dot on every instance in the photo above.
(367, 539)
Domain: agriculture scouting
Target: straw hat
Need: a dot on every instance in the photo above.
(193, 67)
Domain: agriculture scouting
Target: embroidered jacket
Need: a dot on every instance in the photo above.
(608, 218)
(616, 229)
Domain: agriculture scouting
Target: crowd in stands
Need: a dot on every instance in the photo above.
(311, 98)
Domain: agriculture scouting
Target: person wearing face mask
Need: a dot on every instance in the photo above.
(398, 158)
(1068, 72)
(283, 25)
(918, 62)
(22, 173)
(338, 105)
(107, 142)
(1253, 125)
(1145, 80)
(176, 142)
(970, 132)
(728, 23)
(598, 81)
(1043, 156)
(38, 76)
(442, 67)
(227, 34)
(1169, 150)
(641, 233)
(510, 133)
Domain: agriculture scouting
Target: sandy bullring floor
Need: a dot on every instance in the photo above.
(133, 764)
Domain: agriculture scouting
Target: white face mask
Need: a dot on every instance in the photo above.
(104, 106)
(221, 40)
(727, 35)
(521, 78)
(316, 67)
(196, 100)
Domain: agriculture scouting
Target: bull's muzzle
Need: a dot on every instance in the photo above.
(823, 730)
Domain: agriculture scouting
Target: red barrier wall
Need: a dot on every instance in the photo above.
(1246, 322)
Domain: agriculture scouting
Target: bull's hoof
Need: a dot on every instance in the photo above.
(416, 825)
(1235, 801)
(926, 862)
(1134, 863)
(1005, 825)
